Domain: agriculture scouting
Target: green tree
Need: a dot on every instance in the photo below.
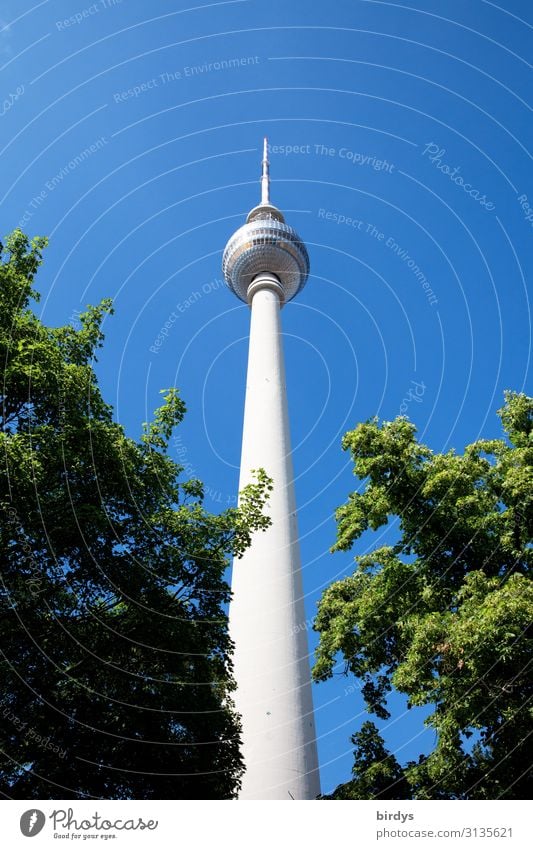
(376, 773)
(445, 615)
(115, 661)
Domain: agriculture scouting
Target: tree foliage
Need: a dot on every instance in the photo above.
(376, 773)
(444, 615)
(115, 661)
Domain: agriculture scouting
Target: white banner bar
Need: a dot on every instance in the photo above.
(272, 825)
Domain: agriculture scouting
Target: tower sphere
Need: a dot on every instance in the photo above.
(265, 244)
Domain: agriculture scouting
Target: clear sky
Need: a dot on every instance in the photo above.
(130, 133)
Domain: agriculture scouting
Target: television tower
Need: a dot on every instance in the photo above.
(266, 264)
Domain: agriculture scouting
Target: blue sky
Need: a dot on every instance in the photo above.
(130, 133)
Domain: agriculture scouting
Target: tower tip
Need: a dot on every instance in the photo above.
(265, 175)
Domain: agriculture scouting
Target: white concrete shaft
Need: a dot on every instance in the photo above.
(267, 618)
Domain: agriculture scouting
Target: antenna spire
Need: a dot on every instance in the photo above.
(265, 209)
(265, 176)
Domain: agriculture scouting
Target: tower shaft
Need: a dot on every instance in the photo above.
(267, 618)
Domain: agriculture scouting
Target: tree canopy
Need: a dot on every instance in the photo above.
(443, 616)
(115, 661)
